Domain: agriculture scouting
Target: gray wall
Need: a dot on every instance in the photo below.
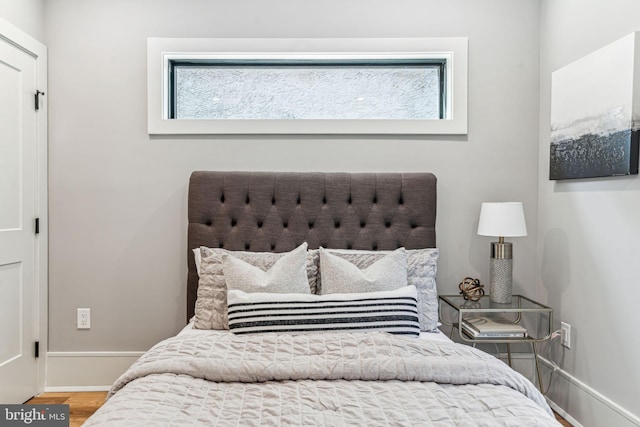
(28, 15)
(589, 230)
(118, 197)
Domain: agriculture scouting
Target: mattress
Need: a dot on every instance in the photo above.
(203, 378)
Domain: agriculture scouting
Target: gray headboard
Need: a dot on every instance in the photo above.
(276, 212)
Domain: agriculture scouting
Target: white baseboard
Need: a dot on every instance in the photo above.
(75, 389)
(564, 414)
(587, 406)
(86, 370)
(573, 399)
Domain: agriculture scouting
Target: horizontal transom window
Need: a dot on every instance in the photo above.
(347, 89)
(307, 86)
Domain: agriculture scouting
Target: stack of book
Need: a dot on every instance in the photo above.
(488, 328)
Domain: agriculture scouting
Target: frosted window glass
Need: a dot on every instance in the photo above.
(307, 92)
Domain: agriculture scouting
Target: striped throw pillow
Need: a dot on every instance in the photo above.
(394, 311)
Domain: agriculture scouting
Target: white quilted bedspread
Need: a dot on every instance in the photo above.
(344, 379)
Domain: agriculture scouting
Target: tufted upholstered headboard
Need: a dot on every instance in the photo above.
(276, 212)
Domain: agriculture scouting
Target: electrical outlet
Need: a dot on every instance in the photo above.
(565, 330)
(84, 318)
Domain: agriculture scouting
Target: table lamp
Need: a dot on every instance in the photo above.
(501, 219)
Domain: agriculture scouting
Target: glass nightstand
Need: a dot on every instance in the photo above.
(515, 312)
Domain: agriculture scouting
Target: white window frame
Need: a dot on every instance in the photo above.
(160, 51)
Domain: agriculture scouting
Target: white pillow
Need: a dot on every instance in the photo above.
(313, 262)
(341, 276)
(287, 275)
(211, 302)
(421, 272)
(394, 311)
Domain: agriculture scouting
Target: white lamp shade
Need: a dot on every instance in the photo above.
(502, 219)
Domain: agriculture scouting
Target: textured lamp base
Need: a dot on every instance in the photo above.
(500, 274)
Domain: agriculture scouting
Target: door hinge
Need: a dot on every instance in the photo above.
(37, 349)
(37, 225)
(37, 99)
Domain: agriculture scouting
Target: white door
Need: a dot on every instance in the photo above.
(18, 201)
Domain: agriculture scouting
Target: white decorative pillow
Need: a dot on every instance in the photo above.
(313, 263)
(422, 266)
(340, 275)
(394, 311)
(211, 302)
(287, 275)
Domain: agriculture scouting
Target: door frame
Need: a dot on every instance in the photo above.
(38, 51)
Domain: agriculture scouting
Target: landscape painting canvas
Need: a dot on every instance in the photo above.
(595, 112)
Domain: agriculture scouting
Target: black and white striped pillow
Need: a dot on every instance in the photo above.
(394, 311)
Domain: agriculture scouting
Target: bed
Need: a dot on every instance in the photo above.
(311, 301)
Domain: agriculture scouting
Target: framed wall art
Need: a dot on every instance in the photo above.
(595, 113)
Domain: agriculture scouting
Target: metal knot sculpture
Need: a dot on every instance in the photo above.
(471, 289)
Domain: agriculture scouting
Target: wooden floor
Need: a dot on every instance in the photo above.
(561, 420)
(83, 404)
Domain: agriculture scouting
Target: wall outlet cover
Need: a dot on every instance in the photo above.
(84, 318)
(565, 330)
